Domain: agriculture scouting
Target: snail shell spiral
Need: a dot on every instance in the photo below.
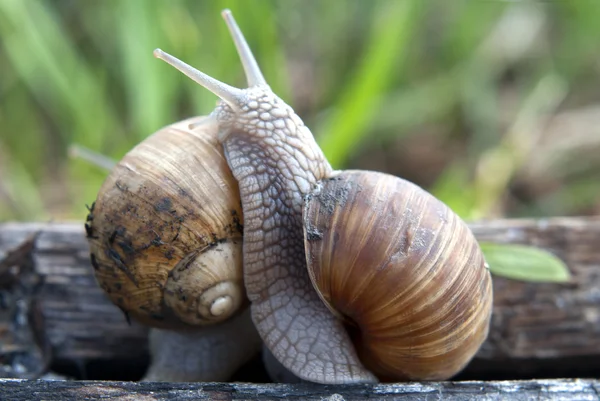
(166, 229)
(403, 271)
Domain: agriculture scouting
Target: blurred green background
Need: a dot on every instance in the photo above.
(494, 106)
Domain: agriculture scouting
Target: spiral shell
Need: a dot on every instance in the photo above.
(165, 231)
(402, 270)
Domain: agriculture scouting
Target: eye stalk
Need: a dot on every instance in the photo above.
(253, 74)
(234, 97)
(229, 94)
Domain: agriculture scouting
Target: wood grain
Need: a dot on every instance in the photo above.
(533, 320)
(580, 390)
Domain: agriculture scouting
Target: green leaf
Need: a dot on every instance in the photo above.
(524, 263)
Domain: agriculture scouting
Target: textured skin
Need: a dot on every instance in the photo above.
(211, 353)
(276, 371)
(276, 161)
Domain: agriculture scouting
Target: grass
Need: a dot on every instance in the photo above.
(459, 96)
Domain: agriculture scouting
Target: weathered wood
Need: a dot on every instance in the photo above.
(24, 351)
(531, 321)
(80, 323)
(580, 390)
(80, 320)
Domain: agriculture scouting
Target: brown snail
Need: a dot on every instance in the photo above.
(165, 236)
(167, 211)
(352, 276)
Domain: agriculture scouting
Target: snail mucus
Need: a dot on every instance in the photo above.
(350, 276)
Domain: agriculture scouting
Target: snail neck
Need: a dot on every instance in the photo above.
(261, 116)
(274, 158)
(276, 162)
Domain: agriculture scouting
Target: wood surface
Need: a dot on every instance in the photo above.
(580, 390)
(556, 326)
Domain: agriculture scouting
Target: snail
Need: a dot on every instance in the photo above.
(154, 221)
(165, 235)
(352, 276)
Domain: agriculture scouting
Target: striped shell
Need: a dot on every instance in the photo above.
(165, 231)
(403, 270)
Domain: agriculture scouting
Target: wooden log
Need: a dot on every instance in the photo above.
(580, 390)
(552, 330)
(532, 322)
(81, 325)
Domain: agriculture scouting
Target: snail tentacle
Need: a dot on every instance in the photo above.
(253, 73)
